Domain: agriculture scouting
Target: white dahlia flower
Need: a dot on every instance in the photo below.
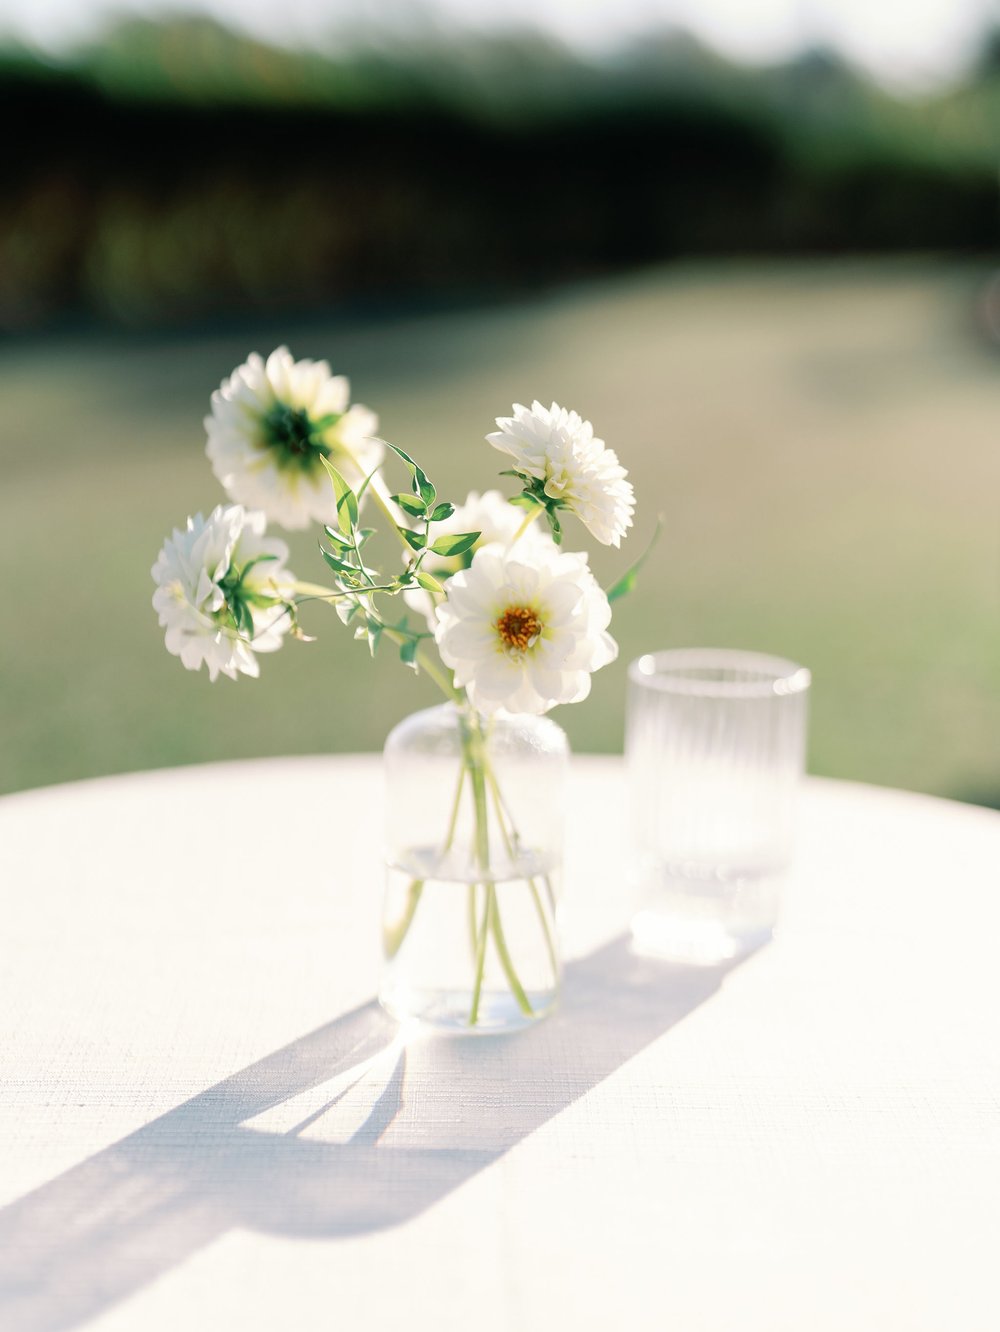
(271, 423)
(524, 633)
(560, 450)
(220, 588)
(497, 520)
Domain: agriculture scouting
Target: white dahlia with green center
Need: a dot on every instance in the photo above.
(271, 425)
(221, 592)
(524, 633)
(559, 450)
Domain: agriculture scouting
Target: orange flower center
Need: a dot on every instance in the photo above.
(519, 627)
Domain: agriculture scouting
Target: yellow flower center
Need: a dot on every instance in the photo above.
(519, 628)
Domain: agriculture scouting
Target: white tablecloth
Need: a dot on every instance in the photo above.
(206, 1122)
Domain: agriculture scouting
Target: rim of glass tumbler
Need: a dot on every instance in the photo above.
(665, 671)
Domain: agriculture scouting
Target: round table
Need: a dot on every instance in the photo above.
(206, 1121)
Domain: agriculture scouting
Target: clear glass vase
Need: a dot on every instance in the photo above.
(475, 815)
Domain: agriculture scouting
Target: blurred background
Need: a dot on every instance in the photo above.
(754, 244)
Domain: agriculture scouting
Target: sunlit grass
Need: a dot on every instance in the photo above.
(821, 441)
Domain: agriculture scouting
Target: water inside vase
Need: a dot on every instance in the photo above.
(468, 951)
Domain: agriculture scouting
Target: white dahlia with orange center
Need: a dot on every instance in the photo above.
(497, 521)
(558, 449)
(271, 425)
(524, 633)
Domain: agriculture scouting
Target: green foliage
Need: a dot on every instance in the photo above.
(411, 504)
(347, 503)
(357, 587)
(421, 485)
(627, 582)
(338, 538)
(366, 483)
(337, 564)
(455, 545)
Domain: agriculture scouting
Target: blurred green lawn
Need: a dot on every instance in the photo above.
(821, 439)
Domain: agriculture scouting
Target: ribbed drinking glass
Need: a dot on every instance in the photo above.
(715, 745)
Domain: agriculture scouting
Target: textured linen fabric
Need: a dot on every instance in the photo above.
(206, 1121)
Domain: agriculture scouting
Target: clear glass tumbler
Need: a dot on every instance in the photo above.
(715, 744)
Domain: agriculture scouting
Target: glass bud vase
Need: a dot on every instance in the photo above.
(475, 809)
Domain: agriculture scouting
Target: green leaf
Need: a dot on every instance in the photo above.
(347, 501)
(411, 504)
(624, 585)
(338, 538)
(257, 559)
(364, 534)
(408, 653)
(627, 582)
(429, 581)
(416, 540)
(442, 512)
(421, 485)
(374, 635)
(243, 616)
(260, 600)
(366, 483)
(336, 563)
(555, 525)
(455, 545)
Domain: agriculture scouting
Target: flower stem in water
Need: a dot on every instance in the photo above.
(393, 935)
(477, 988)
(509, 844)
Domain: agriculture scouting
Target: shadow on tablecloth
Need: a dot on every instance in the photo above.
(355, 1127)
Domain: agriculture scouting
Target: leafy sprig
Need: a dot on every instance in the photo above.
(358, 585)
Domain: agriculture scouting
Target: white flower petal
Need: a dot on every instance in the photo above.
(523, 634)
(560, 449)
(191, 603)
(289, 486)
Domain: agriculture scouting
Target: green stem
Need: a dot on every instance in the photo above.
(455, 805)
(433, 673)
(473, 931)
(529, 518)
(549, 893)
(536, 898)
(473, 756)
(478, 765)
(446, 686)
(393, 935)
(500, 943)
(477, 987)
(482, 813)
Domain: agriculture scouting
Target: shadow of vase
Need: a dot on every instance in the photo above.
(401, 1121)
